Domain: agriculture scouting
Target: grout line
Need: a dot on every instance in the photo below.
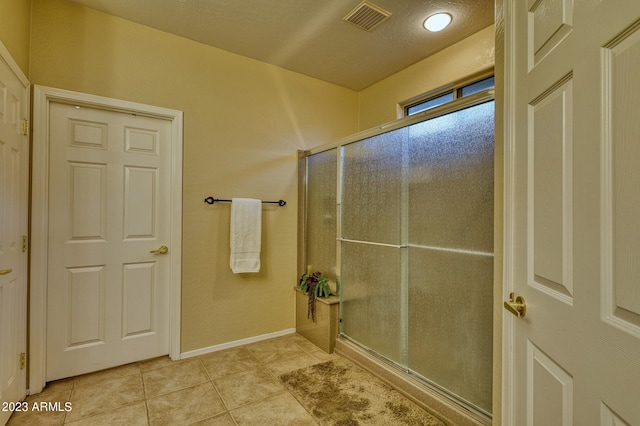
(146, 410)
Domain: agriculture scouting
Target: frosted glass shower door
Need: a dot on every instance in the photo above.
(417, 250)
(451, 252)
(372, 292)
(321, 213)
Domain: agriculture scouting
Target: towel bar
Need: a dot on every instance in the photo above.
(211, 200)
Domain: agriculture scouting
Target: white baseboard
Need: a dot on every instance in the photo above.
(235, 343)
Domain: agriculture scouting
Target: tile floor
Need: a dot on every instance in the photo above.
(237, 386)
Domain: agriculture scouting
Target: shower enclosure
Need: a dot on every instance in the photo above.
(411, 209)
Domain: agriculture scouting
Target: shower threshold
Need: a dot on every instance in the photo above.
(448, 409)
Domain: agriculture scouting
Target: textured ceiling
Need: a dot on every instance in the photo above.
(309, 36)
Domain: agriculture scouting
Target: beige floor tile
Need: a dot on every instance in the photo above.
(174, 377)
(155, 363)
(186, 406)
(129, 415)
(32, 417)
(287, 365)
(305, 344)
(279, 410)
(36, 419)
(105, 396)
(323, 356)
(222, 420)
(274, 349)
(229, 361)
(111, 373)
(58, 385)
(237, 386)
(53, 395)
(248, 386)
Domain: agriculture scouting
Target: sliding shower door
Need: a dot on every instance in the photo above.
(451, 252)
(373, 295)
(321, 216)
(417, 250)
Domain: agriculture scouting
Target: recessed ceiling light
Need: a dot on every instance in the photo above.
(437, 22)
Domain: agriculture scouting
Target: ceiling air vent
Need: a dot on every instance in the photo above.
(367, 16)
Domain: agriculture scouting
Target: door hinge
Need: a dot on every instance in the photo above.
(23, 360)
(24, 243)
(25, 127)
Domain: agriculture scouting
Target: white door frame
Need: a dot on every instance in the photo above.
(508, 341)
(43, 96)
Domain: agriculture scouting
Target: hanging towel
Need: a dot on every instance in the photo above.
(245, 235)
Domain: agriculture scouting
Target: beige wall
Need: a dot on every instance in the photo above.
(15, 30)
(243, 124)
(379, 102)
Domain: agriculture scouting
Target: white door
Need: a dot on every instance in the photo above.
(14, 166)
(109, 203)
(573, 212)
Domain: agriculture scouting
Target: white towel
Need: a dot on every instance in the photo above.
(245, 235)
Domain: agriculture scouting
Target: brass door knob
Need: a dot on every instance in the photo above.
(517, 307)
(5, 271)
(161, 250)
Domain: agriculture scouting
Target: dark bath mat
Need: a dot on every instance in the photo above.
(338, 392)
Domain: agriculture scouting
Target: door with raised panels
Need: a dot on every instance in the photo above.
(109, 204)
(14, 167)
(573, 204)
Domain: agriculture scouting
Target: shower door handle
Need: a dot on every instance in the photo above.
(517, 307)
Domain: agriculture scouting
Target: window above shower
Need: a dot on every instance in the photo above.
(447, 94)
